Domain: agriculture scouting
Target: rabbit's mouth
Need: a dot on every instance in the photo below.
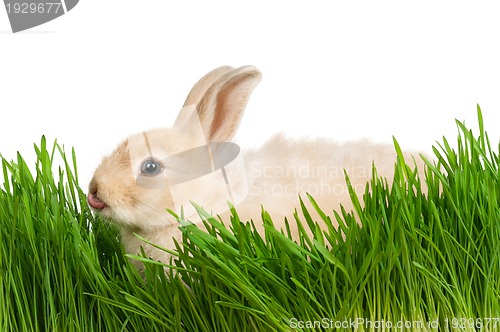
(95, 202)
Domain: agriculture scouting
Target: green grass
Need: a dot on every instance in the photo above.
(417, 257)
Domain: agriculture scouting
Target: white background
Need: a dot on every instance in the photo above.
(344, 70)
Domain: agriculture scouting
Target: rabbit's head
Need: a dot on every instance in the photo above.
(148, 172)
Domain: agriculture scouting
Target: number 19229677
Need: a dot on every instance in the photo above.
(34, 8)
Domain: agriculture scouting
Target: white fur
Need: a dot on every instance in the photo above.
(275, 174)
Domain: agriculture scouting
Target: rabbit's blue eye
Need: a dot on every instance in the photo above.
(151, 167)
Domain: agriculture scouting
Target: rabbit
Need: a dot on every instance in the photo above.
(168, 168)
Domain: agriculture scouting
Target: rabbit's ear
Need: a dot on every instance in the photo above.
(222, 106)
(188, 120)
(200, 88)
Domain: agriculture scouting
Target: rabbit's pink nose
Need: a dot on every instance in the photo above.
(95, 202)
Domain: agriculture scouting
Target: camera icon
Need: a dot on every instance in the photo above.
(209, 175)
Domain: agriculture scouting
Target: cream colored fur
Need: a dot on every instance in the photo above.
(275, 174)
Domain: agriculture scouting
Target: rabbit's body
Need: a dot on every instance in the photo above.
(146, 174)
(277, 174)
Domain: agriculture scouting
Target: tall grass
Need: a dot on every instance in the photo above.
(425, 258)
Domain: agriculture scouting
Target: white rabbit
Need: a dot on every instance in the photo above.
(166, 168)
